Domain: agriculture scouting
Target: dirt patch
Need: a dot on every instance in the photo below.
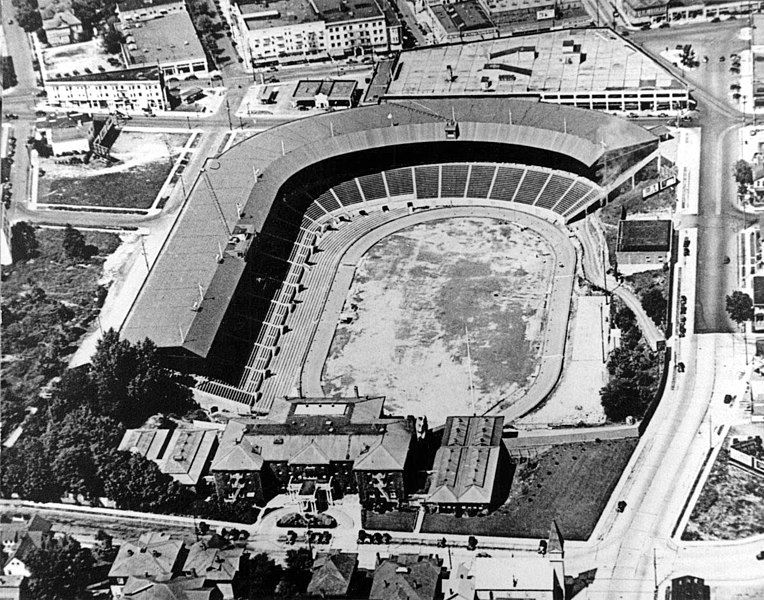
(416, 297)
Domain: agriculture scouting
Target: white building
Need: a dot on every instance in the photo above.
(170, 42)
(295, 30)
(643, 12)
(138, 10)
(128, 90)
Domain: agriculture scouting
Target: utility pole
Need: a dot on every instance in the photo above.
(228, 112)
(143, 251)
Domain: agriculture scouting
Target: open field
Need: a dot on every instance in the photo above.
(414, 297)
(570, 482)
(394, 520)
(144, 160)
(730, 506)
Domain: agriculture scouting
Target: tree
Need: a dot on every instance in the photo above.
(25, 470)
(74, 244)
(654, 303)
(28, 18)
(621, 399)
(130, 384)
(261, 575)
(742, 172)
(24, 243)
(136, 483)
(112, 40)
(61, 570)
(297, 574)
(205, 25)
(740, 307)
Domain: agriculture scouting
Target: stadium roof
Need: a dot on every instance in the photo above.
(186, 294)
(567, 61)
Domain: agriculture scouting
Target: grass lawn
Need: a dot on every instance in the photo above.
(390, 521)
(730, 507)
(570, 483)
(134, 188)
(48, 302)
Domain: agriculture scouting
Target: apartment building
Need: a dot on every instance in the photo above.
(127, 90)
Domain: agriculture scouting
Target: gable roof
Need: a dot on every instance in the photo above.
(379, 458)
(61, 20)
(153, 555)
(406, 577)
(310, 455)
(185, 588)
(332, 574)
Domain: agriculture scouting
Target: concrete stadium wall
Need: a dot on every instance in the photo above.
(533, 439)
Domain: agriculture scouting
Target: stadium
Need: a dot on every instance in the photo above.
(250, 285)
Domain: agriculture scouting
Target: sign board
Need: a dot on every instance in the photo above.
(545, 14)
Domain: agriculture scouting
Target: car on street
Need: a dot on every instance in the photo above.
(760, 555)
(722, 59)
(11, 116)
(621, 506)
(728, 398)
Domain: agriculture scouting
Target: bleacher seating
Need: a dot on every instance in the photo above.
(507, 179)
(555, 188)
(327, 201)
(348, 193)
(578, 191)
(481, 177)
(400, 181)
(531, 186)
(453, 180)
(427, 181)
(373, 186)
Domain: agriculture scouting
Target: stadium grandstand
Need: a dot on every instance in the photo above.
(218, 300)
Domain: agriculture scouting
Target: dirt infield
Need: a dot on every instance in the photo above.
(415, 296)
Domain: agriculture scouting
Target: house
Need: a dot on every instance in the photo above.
(407, 577)
(182, 588)
(688, 588)
(466, 465)
(62, 28)
(19, 537)
(331, 574)
(169, 42)
(183, 453)
(126, 90)
(218, 566)
(139, 10)
(324, 94)
(643, 244)
(459, 21)
(315, 449)
(153, 556)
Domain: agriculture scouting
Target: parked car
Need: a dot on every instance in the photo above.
(760, 555)
(722, 59)
(728, 398)
(621, 506)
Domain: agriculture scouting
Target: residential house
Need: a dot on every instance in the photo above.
(643, 244)
(332, 574)
(315, 449)
(62, 28)
(21, 536)
(407, 576)
(153, 556)
(13, 587)
(219, 566)
(182, 588)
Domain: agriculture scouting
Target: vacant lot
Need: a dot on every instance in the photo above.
(420, 296)
(730, 506)
(394, 520)
(570, 483)
(144, 161)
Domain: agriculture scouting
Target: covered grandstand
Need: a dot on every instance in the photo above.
(227, 276)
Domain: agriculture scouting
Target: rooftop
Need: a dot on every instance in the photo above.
(182, 588)
(163, 310)
(523, 572)
(334, 11)
(61, 20)
(150, 443)
(153, 555)
(167, 39)
(188, 454)
(378, 444)
(586, 60)
(758, 30)
(498, 6)
(214, 564)
(136, 74)
(128, 5)
(407, 577)
(281, 13)
(758, 290)
(644, 235)
(461, 16)
(333, 88)
(332, 573)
